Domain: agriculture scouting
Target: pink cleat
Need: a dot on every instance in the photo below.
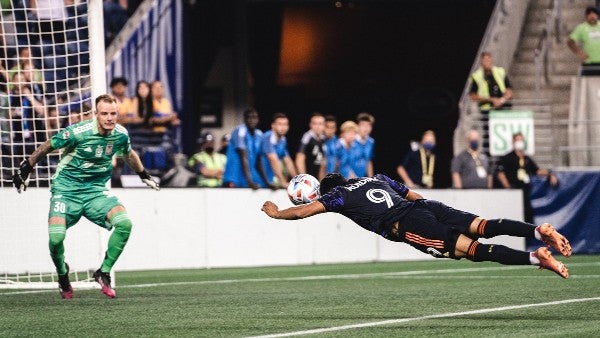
(550, 263)
(103, 278)
(555, 240)
(64, 285)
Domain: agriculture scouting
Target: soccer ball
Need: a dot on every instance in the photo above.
(303, 188)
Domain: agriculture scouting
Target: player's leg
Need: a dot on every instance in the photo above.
(479, 252)
(106, 211)
(63, 213)
(546, 233)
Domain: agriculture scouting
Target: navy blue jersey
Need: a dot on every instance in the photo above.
(374, 203)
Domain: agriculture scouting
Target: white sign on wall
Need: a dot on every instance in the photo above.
(504, 124)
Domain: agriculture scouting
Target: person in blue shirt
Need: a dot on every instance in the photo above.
(331, 141)
(278, 164)
(365, 123)
(349, 153)
(244, 168)
(393, 211)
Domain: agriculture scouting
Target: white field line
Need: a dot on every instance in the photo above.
(398, 274)
(437, 316)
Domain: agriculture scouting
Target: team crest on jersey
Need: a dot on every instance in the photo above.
(98, 151)
(109, 148)
(66, 134)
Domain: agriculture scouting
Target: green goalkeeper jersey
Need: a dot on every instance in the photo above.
(86, 163)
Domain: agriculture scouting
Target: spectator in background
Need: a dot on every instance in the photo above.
(418, 167)
(365, 123)
(491, 89)
(118, 89)
(331, 142)
(142, 107)
(28, 112)
(26, 59)
(471, 168)
(115, 18)
(78, 115)
(208, 164)
(349, 151)
(244, 168)
(514, 170)
(277, 162)
(584, 41)
(52, 16)
(310, 158)
(164, 116)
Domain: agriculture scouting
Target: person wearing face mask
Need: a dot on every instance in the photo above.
(208, 164)
(471, 168)
(515, 168)
(417, 169)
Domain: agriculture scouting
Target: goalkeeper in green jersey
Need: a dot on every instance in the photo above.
(79, 187)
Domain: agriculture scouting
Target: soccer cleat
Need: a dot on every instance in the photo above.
(64, 285)
(103, 278)
(554, 239)
(550, 263)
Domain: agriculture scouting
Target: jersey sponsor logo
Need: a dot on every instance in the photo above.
(109, 148)
(66, 134)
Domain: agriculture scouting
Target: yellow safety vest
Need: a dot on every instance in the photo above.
(482, 86)
(216, 161)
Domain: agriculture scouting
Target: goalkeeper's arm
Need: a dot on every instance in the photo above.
(133, 160)
(21, 177)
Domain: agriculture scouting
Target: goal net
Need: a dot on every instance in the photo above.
(47, 81)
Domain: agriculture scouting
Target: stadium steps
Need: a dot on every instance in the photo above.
(554, 95)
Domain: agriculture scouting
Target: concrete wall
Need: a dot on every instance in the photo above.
(200, 228)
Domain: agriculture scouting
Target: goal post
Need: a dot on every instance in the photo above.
(52, 66)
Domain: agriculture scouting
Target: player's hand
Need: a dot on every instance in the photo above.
(272, 186)
(270, 209)
(146, 178)
(21, 177)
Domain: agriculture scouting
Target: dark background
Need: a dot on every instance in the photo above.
(406, 62)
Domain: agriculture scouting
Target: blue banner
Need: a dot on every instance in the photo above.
(152, 50)
(573, 208)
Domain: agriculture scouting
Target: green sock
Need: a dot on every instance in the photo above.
(57, 235)
(117, 240)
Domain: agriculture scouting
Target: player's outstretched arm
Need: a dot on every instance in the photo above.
(297, 212)
(133, 160)
(21, 177)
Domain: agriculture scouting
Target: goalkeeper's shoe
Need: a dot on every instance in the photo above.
(550, 263)
(64, 285)
(103, 278)
(555, 240)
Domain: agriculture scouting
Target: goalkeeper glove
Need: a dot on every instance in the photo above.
(21, 177)
(145, 176)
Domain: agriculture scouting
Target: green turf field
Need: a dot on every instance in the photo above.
(400, 299)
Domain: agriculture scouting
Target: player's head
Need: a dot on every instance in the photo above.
(251, 118)
(280, 124)
(331, 181)
(348, 131)
(106, 113)
(365, 123)
(330, 126)
(317, 123)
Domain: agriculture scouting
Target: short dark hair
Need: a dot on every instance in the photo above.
(331, 181)
(330, 118)
(591, 9)
(278, 116)
(364, 116)
(515, 135)
(118, 80)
